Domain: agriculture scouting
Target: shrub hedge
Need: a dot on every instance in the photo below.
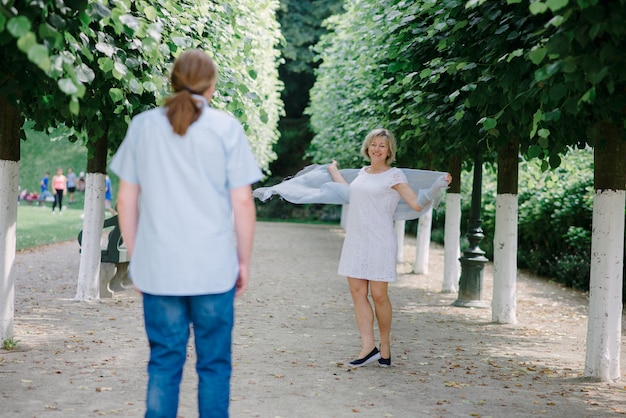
(555, 218)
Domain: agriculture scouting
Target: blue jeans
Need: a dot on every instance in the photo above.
(168, 320)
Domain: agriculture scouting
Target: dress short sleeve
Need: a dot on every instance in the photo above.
(397, 176)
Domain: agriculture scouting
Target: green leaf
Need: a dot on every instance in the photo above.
(547, 71)
(149, 86)
(537, 55)
(18, 26)
(489, 123)
(407, 78)
(543, 133)
(454, 95)
(589, 96)
(81, 90)
(555, 161)
(263, 116)
(253, 73)
(105, 64)
(555, 5)
(517, 53)
(119, 70)
(537, 117)
(67, 86)
(117, 95)
(39, 55)
(98, 10)
(135, 86)
(26, 41)
(130, 21)
(84, 74)
(534, 151)
(3, 22)
(150, 12)
(552, 115)
(106, 49)
(74, 106)
(51, 35)
(537, 7)
(557, 21)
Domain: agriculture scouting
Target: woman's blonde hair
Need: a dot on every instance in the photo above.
(193, 73)
(384, 133)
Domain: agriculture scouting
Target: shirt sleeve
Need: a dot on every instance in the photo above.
(241, 166)
(124, 161)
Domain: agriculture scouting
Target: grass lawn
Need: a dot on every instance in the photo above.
(36, 225)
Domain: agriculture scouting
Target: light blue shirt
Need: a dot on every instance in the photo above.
(185, 243)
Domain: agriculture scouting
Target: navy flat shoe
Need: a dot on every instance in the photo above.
(372, 356)
(384, 362)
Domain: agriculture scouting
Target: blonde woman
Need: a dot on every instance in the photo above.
(368, 257)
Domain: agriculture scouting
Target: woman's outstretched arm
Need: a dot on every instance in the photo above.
(333, 170)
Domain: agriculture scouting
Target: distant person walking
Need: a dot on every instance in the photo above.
(81, 182)
(59, 184)
(71, 184)
(108, 196)
(185, 172)
(44, 187)
(44, 184)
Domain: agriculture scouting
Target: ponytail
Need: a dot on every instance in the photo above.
(193, 73)
(182, 111)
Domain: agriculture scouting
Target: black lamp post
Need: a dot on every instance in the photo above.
(473, 259)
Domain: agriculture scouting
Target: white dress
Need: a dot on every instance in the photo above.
(370, 247)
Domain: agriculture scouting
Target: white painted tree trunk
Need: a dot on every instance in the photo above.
(504, 303)
(604, 326)
(88, 288)
(9, 185)
(452, 244)
(399, 227)
(422, 243)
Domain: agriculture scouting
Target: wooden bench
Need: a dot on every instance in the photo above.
(114, 260)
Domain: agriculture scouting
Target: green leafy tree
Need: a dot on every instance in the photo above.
(344, 104)
(34, 62)
(301, 25)
(91, 66)
(581, 101)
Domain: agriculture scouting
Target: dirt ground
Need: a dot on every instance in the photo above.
(294, 337)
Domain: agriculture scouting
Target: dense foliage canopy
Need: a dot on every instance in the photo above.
(448, 75)
(92, 65)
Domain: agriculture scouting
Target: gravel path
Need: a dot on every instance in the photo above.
(294, 336)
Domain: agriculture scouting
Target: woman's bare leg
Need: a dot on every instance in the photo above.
(364, 314)
(382, 305)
